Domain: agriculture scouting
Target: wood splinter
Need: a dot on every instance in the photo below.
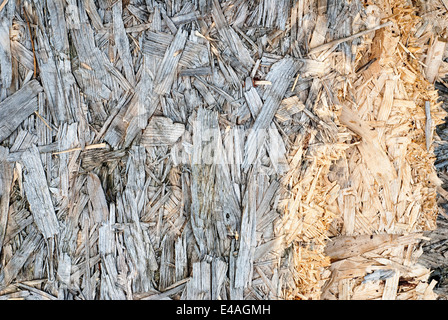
(334, 43)
(92, 146)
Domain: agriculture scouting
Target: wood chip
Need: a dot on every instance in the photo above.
(247, 150)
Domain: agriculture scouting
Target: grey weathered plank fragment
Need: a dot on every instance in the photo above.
(112, 281)
(68, 139)
(138, 243)
(168, 69)
(97, 198)
(219, 275)
(53, 59)
(122, 42)
(6, 16)
(17, 107)
(22, 54)
(155, 45)
(274, 13)
(245, 259)
(96, 73)
(280, 76)
(12, 268)
(180, 258)
(162, 131)
(198, 288)
(133, 114)
(5, 188)
(59, 39)
(230, 37)
(215, 208)
(38, 194)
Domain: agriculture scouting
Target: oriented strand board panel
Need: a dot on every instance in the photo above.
(219, 150)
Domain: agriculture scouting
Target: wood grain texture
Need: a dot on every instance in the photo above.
(11, 116)
(248, 150)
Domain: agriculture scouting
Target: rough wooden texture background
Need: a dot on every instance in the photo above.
(205, 149)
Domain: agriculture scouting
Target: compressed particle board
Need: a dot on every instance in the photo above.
(218, 149)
